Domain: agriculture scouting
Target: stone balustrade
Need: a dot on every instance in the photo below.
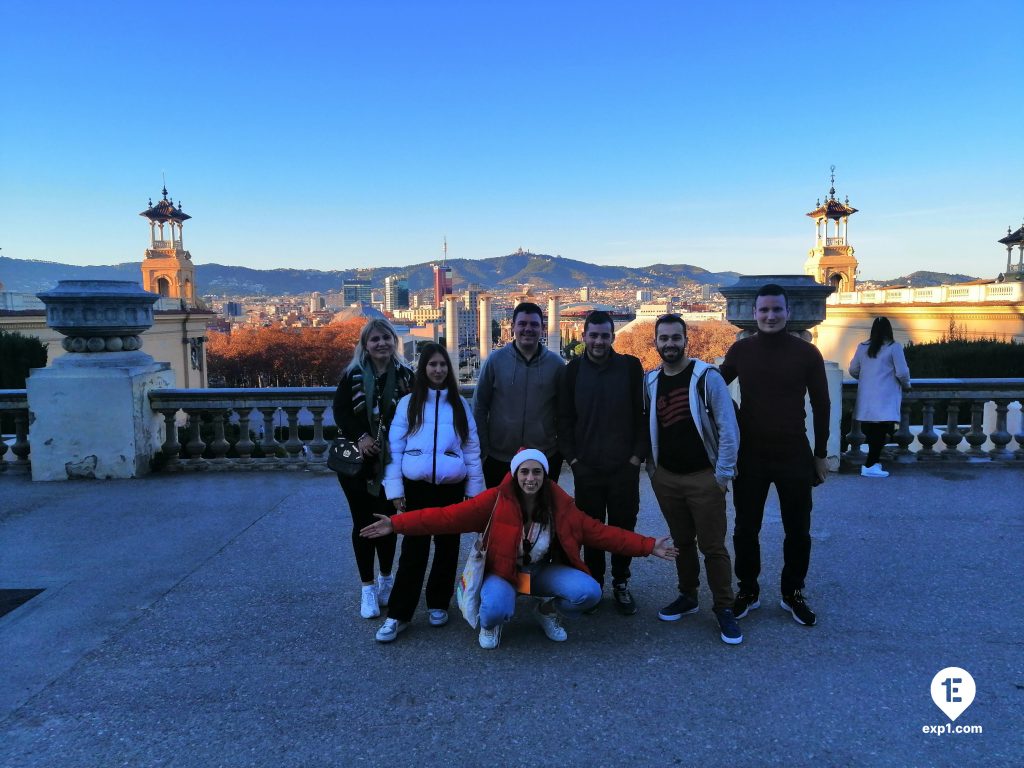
(14, 407)
(258, 429)
(241, 428)
(942, 399)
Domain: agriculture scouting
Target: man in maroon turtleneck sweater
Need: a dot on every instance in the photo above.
(775, 370)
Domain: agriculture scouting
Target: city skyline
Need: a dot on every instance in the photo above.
(343, 138)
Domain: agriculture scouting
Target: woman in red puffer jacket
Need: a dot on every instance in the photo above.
(533, 545)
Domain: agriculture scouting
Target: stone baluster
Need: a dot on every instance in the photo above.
(318, 446)
(856, 440)
(171, 448)
(268, 444)
(3, 450)
(952, 438)
(293, 444)
(1019, 437)
(976, 437)
(195, 446)
(1001, 436)
(903, 437)
(245, 444)
(219, 446)
(21, 448)
(927, 437)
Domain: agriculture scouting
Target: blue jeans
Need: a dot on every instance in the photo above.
(573, 591)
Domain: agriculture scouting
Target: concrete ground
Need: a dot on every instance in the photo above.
(212, 620)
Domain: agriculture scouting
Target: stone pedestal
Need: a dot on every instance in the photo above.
(89, 412)
(94, 421)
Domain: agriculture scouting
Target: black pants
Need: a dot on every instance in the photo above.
(612, 498)
(412, 564)
(495, 469)
(793, 478)
(363, 507)
(875, 433)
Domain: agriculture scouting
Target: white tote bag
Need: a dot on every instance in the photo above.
(467, 591)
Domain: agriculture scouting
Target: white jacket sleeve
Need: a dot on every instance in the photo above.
(394, 488)
(899, 362)
(471, 452)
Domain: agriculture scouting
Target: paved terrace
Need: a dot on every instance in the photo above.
(211, 619)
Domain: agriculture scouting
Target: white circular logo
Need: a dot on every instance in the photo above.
(953, 691)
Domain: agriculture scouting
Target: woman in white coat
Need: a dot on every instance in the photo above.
(435, 461)
(883, 375)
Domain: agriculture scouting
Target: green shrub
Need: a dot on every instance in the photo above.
(18, 355)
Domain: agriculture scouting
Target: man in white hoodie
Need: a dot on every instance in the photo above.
(694, 441)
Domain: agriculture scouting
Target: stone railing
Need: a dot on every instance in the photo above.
(240, 428)
(14, 405)
(986, 437)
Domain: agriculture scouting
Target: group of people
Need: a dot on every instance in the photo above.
(436, 466)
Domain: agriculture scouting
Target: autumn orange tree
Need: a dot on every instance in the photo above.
(705, 341)
(281, 357)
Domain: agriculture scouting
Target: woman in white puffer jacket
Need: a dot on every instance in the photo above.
(434, 462)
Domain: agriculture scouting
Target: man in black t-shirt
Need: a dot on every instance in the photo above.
(694, 440)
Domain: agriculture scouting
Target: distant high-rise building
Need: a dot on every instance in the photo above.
(233, 309)
(442, 283)
(396, 293)
(585, 293)
(644, 295)
(316, 302)
(355, 290)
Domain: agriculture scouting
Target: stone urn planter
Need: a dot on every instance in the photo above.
(806, 300)
(99, 316)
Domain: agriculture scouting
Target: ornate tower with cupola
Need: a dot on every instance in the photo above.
(168, 269)
(831, 260)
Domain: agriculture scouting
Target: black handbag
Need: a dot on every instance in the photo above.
(344, 458)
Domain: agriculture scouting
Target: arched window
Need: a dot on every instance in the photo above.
(163, 287)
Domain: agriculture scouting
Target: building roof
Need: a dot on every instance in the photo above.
(358, 311)
(832, 209)
(165, 211)
(1013, 238)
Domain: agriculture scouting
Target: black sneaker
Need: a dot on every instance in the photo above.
(744, 604)
(623, 599)
(796, 605)
(730, 628)
(683, 605)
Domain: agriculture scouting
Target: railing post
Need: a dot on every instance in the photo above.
(976, 436)
(268, 443)
(856, 439)
(903, 437)
(171, 448)
(219, 446)
(318, 446)
(951, 438)
(1019, 437)
(245, 444)
(294, 444)
(195, 446)
(21, 447)
(928, 436)
(1000, 437)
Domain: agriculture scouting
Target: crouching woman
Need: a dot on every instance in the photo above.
(533, 547)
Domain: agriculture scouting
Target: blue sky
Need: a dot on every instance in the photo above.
(336, 135)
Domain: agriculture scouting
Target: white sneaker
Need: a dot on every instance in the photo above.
(489, 638)
(437, 617)
(875, 470)
(551, 625)
(389, 630)
(384, 587)
(368, 607)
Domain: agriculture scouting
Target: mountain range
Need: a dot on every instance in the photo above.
(502, 273)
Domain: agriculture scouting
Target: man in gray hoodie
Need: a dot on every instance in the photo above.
(516, 400)
(694, 441)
